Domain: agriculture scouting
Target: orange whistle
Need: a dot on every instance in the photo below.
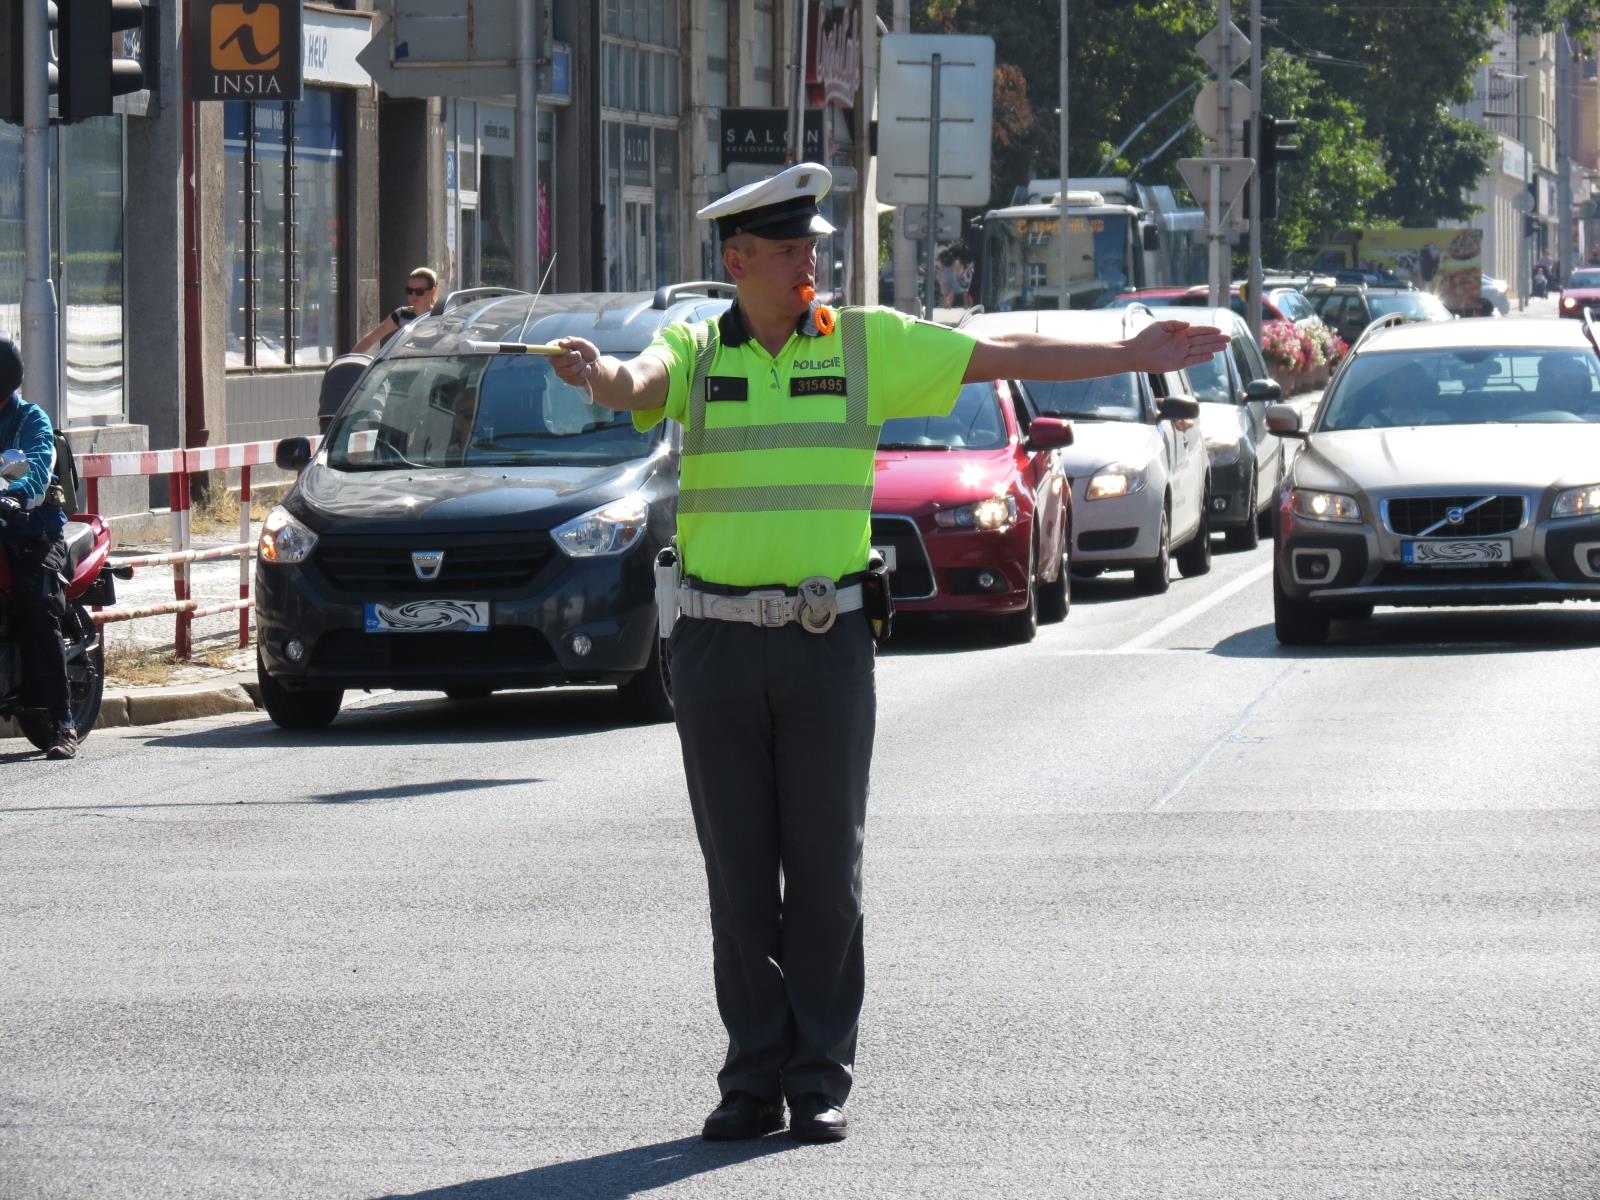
(808, 293)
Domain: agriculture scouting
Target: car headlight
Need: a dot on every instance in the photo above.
(996, 513)
(1569, 302)
(1222, 450)
(1110, 483)
(284, 539)
(1325, 506)
(1578, 502)
(608, 530)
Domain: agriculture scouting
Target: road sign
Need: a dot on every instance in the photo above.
(445, 48)
(1235, 174)
(966, 108)
(914, 222)
(1207, 114)
(1523, 201)
(1210, 48)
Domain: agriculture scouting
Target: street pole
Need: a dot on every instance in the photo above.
(1563, 155)
(1252, 305)
(797, 111)
(39, 358)
(1063, 249)
(905, 250)
(931, 259)
(1218, 265)
(526, 179)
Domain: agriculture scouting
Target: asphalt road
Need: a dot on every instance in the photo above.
(1155, 909)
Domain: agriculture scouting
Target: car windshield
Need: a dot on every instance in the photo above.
(1467, 386)
(1417, 306)
(1110, 398)
(975, 423)
(1209, 380)
(476, 411)
(1584, 279)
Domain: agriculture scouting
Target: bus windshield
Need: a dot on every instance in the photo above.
(1022, 260)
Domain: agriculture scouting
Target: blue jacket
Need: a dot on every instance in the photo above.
(25, 427)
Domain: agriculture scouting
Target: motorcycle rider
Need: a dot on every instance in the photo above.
(32, 538)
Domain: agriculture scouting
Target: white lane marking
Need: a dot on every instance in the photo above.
(1181, 618)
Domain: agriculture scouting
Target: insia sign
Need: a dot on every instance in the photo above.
(246, 50)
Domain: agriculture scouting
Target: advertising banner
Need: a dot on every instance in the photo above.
(246, 51)
(1446, 262)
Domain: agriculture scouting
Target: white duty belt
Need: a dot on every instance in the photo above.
(815, 605)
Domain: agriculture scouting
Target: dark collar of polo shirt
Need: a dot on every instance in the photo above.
(731, 330)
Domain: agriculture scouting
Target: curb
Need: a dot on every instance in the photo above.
(162, 706)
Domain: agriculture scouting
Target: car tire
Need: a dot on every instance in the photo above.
(1296, 622)
(312, 708)
(1195, 557)
(1055, 597)
(648, 695)
(1248, 535)
(472, 693)
(1153, 578)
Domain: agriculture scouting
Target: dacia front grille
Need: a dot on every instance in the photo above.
(368, 568)
(1455, 516)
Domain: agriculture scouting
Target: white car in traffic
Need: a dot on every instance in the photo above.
(1137, 464)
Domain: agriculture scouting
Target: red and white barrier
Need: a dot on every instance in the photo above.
(178, 466)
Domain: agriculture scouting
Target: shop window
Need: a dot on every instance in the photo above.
(284, 169)
(89, 269)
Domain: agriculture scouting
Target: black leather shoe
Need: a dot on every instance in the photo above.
(741, 1116)
(817, 1118)
(63, 742)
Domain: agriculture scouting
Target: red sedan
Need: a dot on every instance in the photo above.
(973, 512)
(1581, 291)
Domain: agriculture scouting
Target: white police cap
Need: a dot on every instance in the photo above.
(784, 206)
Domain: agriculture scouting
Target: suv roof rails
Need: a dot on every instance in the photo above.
(666, 293)
(455, 299)
(1387, 322)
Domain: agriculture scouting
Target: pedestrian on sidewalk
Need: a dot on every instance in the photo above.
(32, 539)
(781, 401)
(422, 290)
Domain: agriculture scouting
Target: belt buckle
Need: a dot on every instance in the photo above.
(818, 606)
(772, 610)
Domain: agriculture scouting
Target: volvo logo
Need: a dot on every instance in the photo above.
(1455, 515)
(427, 563)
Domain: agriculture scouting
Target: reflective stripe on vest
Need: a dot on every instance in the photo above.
(854, 433)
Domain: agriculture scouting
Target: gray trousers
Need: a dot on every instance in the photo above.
(777, 728)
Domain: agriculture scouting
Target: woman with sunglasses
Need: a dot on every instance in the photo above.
(421, 289)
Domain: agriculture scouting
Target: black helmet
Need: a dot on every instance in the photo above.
(10, 368)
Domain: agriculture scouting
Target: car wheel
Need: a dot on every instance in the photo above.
(1055, 597)
(1153, 578)
(649, 693)
(1296, 622)
(1195, 558)
(472, 693)
(1248, 535)
(313, 708)
(1485, 308)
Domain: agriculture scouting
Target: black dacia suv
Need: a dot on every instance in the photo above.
(470, 522)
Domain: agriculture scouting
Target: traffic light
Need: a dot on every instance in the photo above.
(1270, 151)
(11, 57)
(1530, 226)
(91, 72)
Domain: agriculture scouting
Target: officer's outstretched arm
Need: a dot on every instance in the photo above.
(1160, 346)
(639, 383)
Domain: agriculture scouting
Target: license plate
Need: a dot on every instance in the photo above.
(888, 555)
(1457, 554)
(429, 616)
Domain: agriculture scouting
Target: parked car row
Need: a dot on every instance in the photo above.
(472, 523)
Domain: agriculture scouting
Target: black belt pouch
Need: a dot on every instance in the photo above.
(876, 601)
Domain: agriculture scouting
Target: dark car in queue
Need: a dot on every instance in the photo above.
(470, 522)
(1580, 291)
(1235, 388)
(1449, 463)
(972, 511)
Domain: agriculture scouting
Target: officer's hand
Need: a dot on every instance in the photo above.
(1171, 345)
(577, 365)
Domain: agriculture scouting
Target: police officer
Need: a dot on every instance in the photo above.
(32, 538)
(781, 401)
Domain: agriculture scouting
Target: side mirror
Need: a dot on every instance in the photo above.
(1048, 433)
(1284, 421)
(1178, 408)
(293, 453)
(1152, 238)
(13, 464)
(1263, 389)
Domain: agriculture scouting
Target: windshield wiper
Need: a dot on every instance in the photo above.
(913, 446)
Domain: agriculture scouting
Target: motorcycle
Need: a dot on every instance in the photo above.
(88, 582)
